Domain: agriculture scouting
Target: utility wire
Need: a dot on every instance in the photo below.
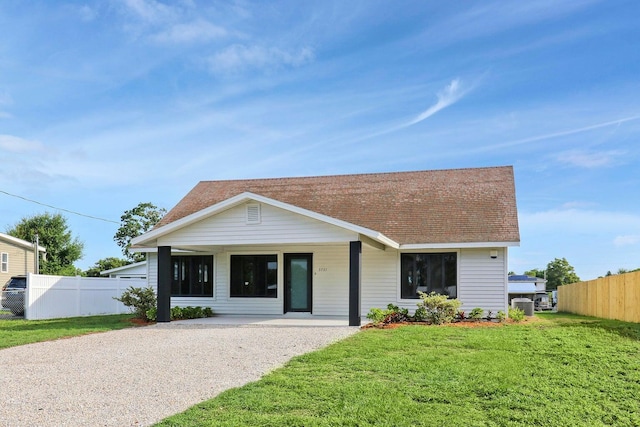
(60, 209)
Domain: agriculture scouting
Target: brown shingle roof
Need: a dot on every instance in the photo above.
(440, 206)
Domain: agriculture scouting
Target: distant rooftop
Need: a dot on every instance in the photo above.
(525, 278)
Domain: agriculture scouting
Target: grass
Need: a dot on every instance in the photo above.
(560, 370)
(18, 331)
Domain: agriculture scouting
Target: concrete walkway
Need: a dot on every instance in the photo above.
(289, 319)
(138, 376)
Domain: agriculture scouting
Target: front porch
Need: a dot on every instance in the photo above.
(324, 280)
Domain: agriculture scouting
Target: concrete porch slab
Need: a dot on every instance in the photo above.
(290, 319)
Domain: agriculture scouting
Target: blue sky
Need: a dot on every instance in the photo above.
(105, 104)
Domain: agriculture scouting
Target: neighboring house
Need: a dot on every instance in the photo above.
(534, 288)
(136, 270)
(16, 257)
(336, 245)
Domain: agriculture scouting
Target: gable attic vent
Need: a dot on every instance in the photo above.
(253, 213)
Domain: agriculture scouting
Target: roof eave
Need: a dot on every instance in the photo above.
(457, 245)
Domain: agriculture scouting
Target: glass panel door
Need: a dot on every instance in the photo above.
(298, 274)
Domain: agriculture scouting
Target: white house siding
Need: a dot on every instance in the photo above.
(152, 270)
(331, 280)
(379, 279)
(276, 226)
(482, 280)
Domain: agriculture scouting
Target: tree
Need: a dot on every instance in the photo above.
(135, 222)
(560, 272)
(62, 248)
(105, 264)
(536, 272)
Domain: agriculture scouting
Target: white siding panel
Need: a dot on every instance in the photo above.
(331, 280)
(482, 280)
(379, 279)
(152, 275)
(276, 226)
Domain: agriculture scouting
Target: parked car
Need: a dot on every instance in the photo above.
(13, 295)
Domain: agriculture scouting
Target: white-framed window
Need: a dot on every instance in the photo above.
(4, 262)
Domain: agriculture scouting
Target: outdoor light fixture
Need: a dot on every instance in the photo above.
(493, 253)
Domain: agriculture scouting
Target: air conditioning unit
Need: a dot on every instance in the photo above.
(524, 304)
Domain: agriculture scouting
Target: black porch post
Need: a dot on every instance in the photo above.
(355, 270)
(164, 284)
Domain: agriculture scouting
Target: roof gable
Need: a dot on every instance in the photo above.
(423, 207)
(226, 205)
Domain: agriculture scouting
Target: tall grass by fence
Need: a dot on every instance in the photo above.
(612, 297)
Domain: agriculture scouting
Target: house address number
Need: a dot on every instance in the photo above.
(321, 269)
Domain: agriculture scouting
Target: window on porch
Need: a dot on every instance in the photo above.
(254, 276)
(192, 276)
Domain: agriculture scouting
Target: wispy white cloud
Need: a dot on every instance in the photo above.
(239, 57)
(577, 205)
(552, 135)
(195, 31)
(451, 94)
(590, 159)
(150, 11)
(627, 240)
(472, 22)
(14, 144)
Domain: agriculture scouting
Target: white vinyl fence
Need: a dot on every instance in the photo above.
(52, 297)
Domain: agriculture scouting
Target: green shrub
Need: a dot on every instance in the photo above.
(176, 313)
(438, 309)
(476, 313)
(420, 314)
(392, 314)
(180, 313)
(501, 316)
(516, 314)
(376, 315)
(139, 300)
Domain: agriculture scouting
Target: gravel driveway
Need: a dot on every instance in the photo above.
(138, 376)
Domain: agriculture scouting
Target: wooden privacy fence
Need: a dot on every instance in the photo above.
(612, 297)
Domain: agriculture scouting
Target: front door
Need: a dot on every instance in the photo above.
(298, 272)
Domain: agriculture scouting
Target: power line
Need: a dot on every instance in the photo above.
(60, 209)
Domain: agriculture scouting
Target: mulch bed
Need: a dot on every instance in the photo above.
(455, 324)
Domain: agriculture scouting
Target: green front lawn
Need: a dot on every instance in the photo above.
(19, 331)
(560, 370)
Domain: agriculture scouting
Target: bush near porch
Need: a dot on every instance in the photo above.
(560, 370)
